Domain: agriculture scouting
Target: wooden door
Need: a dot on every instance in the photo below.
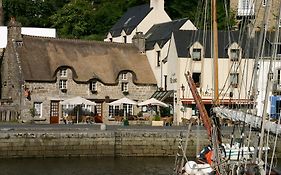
(54, 112)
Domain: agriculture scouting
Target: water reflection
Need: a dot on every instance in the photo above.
(88, 166)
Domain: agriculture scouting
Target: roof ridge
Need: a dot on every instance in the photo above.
(79, 40)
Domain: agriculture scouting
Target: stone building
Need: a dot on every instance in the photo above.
(38, 72)
(253, 12)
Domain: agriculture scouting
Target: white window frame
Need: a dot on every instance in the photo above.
(234, 54)
(124, 87)
(63, 72)
(264, 2)
(113, 111)
(128, 109)
(63, 84)
(93, 86)
(246, 7)
(124, 76)
(196, 54)
(38, 109)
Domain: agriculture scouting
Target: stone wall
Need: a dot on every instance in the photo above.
(98, 143)
(121, 142)
(45, 92)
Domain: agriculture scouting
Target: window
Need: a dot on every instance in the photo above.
(113, 111)
(196, 78)
(246, 7)
(63, 73)
(158, 54)
(279, 49)
(37, 109)
(62, 84)
(125, 39)
(234, 80)
(234, 54)
(279, 76)
(93, 86)
(124, 87)
(124, 76)
(196, 54)
(110, 39)
(264, 2)
(128, 109)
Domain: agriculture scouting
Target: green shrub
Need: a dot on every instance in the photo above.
(157, 118)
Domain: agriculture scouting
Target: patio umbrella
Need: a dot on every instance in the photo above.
(123, 100)
(153, 101)
(78, 101)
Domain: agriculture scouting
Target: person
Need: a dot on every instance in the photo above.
(206, 154)
(64, 119)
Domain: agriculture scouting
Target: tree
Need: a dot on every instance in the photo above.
(31, 13)
(74, 19)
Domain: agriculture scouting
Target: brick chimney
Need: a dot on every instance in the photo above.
(1, 14)
(157, 4)
(14, 30)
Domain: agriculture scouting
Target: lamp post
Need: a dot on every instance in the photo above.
(183, 89)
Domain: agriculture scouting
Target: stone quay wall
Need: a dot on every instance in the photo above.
(94, 143)
(121, 142)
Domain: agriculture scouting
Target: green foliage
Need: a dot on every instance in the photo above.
(74, 19)
(157, 118)
(32, 112)
(126, 122)
(92, 19)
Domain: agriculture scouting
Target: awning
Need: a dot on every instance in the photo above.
(163, 95)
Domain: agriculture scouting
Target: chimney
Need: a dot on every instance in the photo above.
(157, 4)
(14, 30)
(139, 41)
(1, 14)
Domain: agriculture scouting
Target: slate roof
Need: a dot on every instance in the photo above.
(161, 33)
(186, 38)
(41, 58)
(269, 43)
(130, 20)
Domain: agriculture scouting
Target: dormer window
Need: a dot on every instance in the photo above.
(124, 76)
(124, 87)
(264, 2)
(196, 54)
(63, 73)
(234, 54)
(63, 84)
(158, 55)
(125, 39)
(93, 86)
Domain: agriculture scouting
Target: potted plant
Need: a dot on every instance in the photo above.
(156, 121)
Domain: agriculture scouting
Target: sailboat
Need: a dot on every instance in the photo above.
(236, 157)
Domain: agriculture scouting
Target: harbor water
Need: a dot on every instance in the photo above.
(91, 166)
(88, 166)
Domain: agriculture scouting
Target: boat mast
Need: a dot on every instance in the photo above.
(215, 52)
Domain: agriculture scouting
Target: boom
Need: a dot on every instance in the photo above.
(202, 110)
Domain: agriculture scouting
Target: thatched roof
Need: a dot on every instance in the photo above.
(41, 58)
